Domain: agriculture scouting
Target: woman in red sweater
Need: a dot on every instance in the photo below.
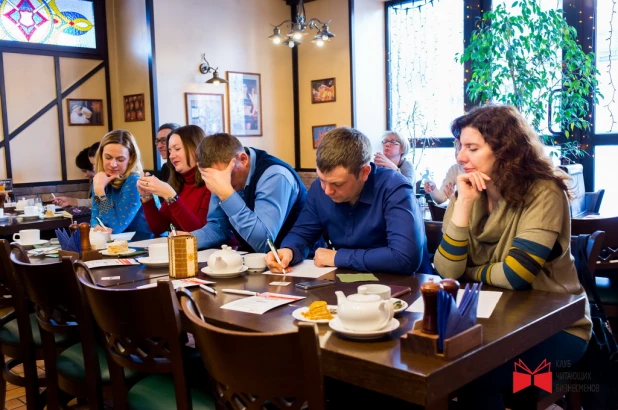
(185, 194)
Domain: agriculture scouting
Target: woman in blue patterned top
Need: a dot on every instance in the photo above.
(116, 199)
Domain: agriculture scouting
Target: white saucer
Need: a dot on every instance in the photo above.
(104, 252)
(30, 217)
(298, 314)
(153, 262)
(207, 271)
(404, 304)
(39, 242)
(336, 325)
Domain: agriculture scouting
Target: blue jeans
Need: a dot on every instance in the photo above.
(489, 391)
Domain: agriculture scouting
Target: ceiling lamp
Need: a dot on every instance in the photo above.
(299, 28)
(205, 68)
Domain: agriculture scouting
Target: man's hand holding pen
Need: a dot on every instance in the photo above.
(285, 255)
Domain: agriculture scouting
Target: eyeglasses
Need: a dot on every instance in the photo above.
(160, 141)
(391, 142)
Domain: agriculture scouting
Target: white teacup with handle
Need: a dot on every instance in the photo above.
(31, 210)
(255, 261)
(158, 252)
(27, 236)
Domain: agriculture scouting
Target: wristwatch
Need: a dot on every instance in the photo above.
(171, 199)
(98, 198)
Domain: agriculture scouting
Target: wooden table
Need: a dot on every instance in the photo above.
(521, 320)
(16, 223)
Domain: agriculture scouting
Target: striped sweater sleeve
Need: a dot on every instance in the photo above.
(523, 262)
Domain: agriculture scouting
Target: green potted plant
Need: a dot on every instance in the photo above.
(531, 59)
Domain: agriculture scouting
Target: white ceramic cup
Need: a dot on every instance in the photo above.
(27, 236)
(31, 210)
(255, 261)
(1, 212)
(158, 251)
(381, 290)
(98, 240)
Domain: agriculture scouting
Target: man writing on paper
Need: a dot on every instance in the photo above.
(255, 196)
(368, 213)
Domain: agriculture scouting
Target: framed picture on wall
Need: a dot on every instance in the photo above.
(206, 111)
(85, 112)
(323, 91)
(318, 131)
(134, 108)
(245, 103)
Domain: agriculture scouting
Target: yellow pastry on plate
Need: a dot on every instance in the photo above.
(118, 247)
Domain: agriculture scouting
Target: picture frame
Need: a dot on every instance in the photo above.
(206, 111)
(323, 91)
(134, 108)
(84, 111)
(245, 104)
(318, 131)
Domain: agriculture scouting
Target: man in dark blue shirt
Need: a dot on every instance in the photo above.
(368, 213)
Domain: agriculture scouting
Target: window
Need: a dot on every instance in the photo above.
(60, 22)
(605, 177)
(425, 82)
(607, 64)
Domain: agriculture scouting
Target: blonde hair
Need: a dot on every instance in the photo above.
(405, 144)
(127, 140)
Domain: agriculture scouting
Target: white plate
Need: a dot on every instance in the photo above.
(207, 271)
(298, 314)
(39, 242)
(336, 325)
(104, 252)
(125, 236)
(404, 306)
(153, 262)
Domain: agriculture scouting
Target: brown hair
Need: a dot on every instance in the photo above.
(217, 149)
(126, 139)
(344, 147)
(191, 136)
(520, 159)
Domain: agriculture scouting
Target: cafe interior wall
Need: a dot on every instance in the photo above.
(330, 61)
(128, 51)
(30, 85)
(233, 36)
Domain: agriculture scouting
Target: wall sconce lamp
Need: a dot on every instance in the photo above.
(205, 68)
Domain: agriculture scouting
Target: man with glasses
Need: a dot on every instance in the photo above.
(368, 213)
(163, 134)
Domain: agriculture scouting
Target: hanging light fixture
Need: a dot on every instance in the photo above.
(300, 27)
(205, 68)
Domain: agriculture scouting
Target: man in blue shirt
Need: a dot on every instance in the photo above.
(368, 213)
(255, 196)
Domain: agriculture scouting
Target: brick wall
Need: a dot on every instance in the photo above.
(80, 190)
(307, 178)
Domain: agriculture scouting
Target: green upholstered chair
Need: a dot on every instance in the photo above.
(141, 331)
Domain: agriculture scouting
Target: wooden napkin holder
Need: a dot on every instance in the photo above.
(426, 344)
(85, 256)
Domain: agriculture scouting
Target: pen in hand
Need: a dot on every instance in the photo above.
(271, 245)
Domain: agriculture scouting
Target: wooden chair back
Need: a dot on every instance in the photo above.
(608, 256)
(141, 331)
(433, 231)
(251, 369)
(437, 212)
(593, 200)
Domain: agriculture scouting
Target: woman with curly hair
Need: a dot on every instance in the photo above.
(509, 226)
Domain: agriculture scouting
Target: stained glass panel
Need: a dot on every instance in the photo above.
(53, 22)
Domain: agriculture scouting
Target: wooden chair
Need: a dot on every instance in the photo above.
(259, 370)
(437, 212)
(61, 310)
(20, 339)
(141, 331)
(433, 231)
(592, 200)
(608, 257)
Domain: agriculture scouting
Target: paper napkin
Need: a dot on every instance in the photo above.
(357, 277)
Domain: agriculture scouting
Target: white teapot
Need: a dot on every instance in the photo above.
(21, 204)
(362, 312)
(227, 260)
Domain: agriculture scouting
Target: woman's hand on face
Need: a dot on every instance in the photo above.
(382, 161)
(429, 186)
(471, 185)
(100, 181)
(151, 185)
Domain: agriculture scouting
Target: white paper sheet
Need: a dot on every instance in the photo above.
(487, 303)
(305, 269)
(106, 263)
(146, 243)
(261, 303)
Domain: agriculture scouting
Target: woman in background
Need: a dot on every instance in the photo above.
(509, 226)
(447, 189)
(394, 154)
(185, 194)
(85, 162)
(116, 200)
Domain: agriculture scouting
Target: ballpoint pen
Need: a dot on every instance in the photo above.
(101, 222)
(208, 289)
(240, 292)
(271, 245)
